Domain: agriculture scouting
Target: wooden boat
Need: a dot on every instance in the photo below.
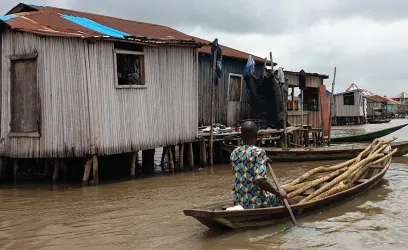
(378, 120)
(368, 136)
(218, 218)
(319, 153)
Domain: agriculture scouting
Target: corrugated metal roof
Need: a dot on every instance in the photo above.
(51, 21)
(377, 98)
(307, 74)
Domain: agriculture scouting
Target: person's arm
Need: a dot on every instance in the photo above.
(261, 180)
(264, 184)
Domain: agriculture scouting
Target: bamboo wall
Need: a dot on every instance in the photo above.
(81, 110)
(221, 92)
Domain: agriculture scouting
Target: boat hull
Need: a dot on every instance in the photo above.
(368, 136)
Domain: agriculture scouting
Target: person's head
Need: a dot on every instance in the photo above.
(249, 133)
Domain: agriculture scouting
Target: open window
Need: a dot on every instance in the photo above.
(348, 99)
(235, 87)
(130, 69)
(25, 102)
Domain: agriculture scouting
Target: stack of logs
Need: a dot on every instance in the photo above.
(326, 181)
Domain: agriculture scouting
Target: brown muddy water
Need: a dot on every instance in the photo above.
(147, 214)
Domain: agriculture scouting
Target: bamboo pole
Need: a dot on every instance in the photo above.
(331, 105)
(190, 156)
(95, 169)
(321, 139)
(16, 168)
(171, 159)
(56, 171)
(87, 171)
(181, 156)
(212, 109)
(203, 153)
(133, 165)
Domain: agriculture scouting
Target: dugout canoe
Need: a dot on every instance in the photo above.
(319, 153)
(368, 136)
(217, 217)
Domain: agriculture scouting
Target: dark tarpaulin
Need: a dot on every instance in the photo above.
(265, 101)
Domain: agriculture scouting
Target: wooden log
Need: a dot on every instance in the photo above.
(133, 164)
(171, 159)
(190, 156)
(87, 171)
(56, 171)
(95, 169)
(203, 153)
(212, 118)
(181, 156)
(16, 168)
(340, 177)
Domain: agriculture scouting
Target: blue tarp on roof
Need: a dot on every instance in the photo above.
(7, 17)
(92, 25)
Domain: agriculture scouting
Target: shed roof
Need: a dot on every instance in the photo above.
(377, 98)
(51, 21)
(323, 76)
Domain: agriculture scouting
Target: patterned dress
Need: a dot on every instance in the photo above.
(248, 165)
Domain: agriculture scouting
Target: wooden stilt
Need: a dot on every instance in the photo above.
(133, 165)
(171, 159)
(307, 139)
(95, 169)
(190, 155)
(162, 158)
(1, 166)
(16, 167)
(181, 160)
(203, 153)
(148, 161)
(87, 171)
(46, 167)
(64, 168)
(56, 171)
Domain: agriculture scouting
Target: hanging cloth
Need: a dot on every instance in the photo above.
(216, 49)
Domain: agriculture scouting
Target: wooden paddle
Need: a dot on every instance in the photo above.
(285, 201)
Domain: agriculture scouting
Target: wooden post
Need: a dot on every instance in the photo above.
(16, 167)
(212, 110)
(87, 171)
(171, 159)
(190, 155)
(203, 155)
(133, 165)
(162, 159)
(321, 114)
(56, 171)
(307, 139)
(181, 156)
(293, 98)
(331, 106)
(46, 167)
(95, 169)
(1, 166)
(64, 168)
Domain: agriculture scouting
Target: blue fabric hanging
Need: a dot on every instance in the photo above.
(250, 67)
(216, 49)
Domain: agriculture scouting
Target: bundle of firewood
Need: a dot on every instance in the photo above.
(326, 181)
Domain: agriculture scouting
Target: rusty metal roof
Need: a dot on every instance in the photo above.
(51, 21)
(377, 98)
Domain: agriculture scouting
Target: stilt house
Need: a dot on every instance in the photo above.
(76, 84)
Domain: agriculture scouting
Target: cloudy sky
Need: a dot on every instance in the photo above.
(366, 40)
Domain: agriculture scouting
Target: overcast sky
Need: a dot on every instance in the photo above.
(366, 40)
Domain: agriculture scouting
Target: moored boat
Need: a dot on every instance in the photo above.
(320, 153)
(368, 136)
(218, 217)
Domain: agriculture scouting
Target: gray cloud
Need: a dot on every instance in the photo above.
(364, 39)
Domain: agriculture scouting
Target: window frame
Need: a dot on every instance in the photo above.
(129, 52)
(32, 134)
(348, 95)
(229, 85)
